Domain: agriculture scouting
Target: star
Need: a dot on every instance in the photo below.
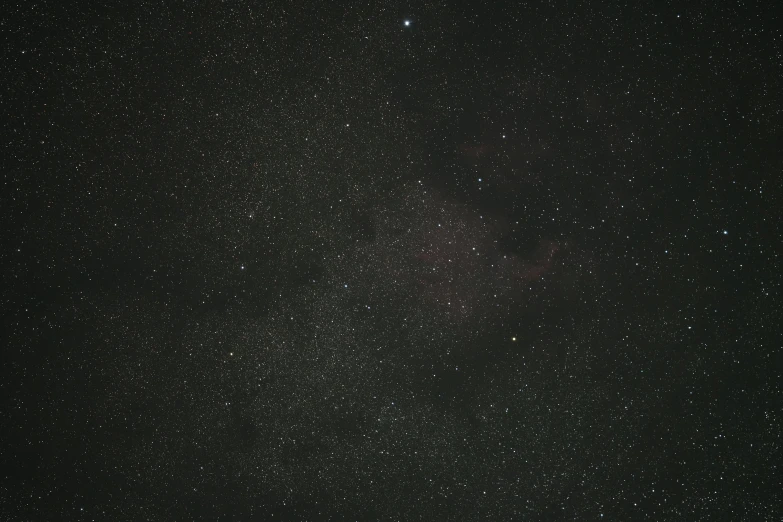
(407, 23)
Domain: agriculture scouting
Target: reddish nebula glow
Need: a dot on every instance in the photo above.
(541, 261)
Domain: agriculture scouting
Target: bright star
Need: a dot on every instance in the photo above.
(407, 23)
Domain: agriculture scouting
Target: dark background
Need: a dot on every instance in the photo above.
(301, 261)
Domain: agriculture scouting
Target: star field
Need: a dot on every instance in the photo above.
(301, 261)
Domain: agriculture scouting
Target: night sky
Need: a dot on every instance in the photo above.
(293, 260)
